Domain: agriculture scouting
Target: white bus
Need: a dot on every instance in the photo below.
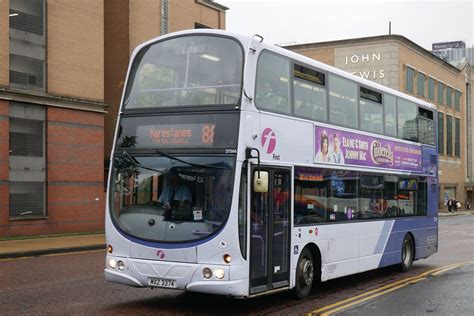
(241, 168)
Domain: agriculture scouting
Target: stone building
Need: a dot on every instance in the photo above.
(397, 62)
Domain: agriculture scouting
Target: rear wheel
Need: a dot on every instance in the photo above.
(408, 253)
(305, 273)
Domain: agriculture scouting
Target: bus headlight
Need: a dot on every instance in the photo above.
(120, 265)
(219, 273)
(112, 263)
(206, 273)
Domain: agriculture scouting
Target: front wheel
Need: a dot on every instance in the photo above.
(305, 272)
(408, 253)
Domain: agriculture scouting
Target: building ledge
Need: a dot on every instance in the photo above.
(212, 4)
(52, 100)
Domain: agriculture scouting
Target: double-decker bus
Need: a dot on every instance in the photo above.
(241, 168)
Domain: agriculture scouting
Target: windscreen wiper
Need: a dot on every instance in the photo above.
(137, 163)
(164, 154)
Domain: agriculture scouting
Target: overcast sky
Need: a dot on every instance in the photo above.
(304, 21)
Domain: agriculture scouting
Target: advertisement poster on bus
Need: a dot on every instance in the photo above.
(340, 147)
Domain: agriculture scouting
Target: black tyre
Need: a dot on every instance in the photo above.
(408, 253)
(305, 274)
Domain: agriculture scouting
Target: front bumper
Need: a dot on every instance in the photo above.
(188, 276)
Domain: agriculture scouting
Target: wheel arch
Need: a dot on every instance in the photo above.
(317, 258)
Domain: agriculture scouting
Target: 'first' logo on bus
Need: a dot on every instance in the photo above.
(268, 140)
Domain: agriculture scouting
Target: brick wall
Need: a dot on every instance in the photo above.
(75, 188)
(183, 14)
(75, 169)
(75, 46)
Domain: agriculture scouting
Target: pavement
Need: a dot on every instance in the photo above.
(38, 246)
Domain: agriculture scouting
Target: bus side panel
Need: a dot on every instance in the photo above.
(417, 227)
(374, 236)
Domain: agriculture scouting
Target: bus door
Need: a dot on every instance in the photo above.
(270, 232)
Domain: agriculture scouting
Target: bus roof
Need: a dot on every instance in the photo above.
(245, 40)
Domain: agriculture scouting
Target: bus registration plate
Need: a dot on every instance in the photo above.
(171, 284)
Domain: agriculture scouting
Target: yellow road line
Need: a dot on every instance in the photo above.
(385, 288)
(370, 292)
(332, 311)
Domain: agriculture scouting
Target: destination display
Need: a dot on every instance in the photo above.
(204, 131)
(341, 147)
(199, 135)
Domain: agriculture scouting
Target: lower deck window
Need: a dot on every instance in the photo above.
(323, 195)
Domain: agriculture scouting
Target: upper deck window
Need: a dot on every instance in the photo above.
(273, 83)
(309, 93)
(186, 71)
(342, 101)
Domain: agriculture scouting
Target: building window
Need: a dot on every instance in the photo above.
(431, 89)
(27, 161)
(440, 133)
(342, 101)
(457, 137)
(440, 93)
(421, 84)
(449, 135)
(457, 100)
(410, 73)
(449, 97)
(27, 45)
